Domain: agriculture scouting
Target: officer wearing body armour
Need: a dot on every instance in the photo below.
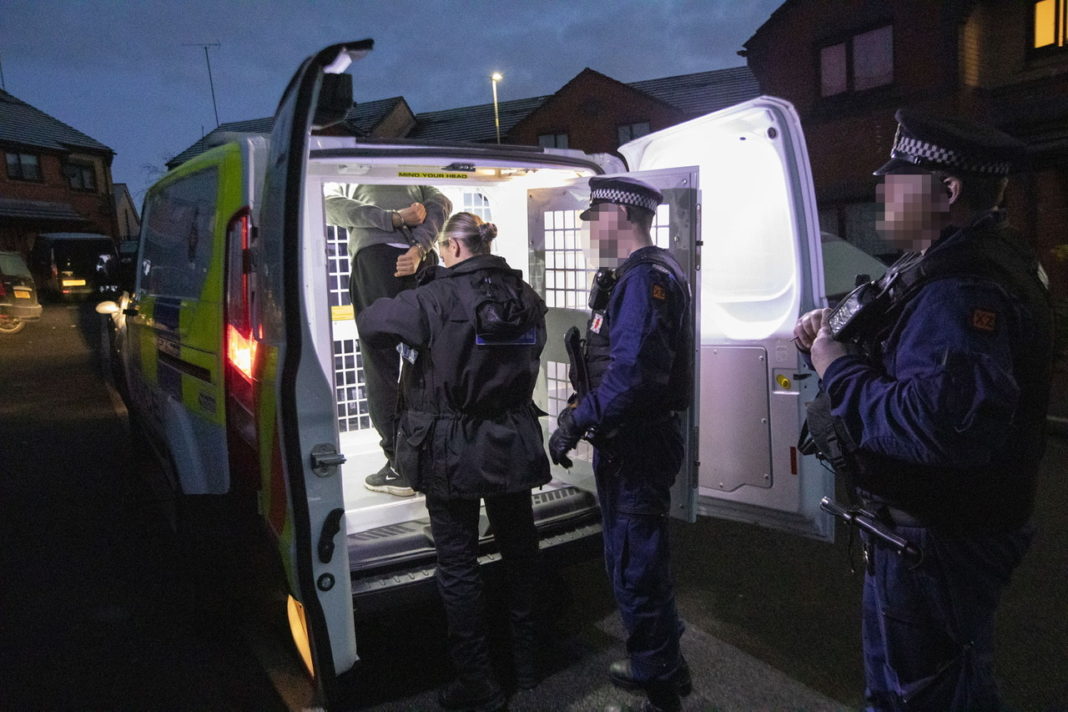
(631, 379)
(935, 388)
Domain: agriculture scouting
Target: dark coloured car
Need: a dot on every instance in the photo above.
(75, 265)
(18, 295)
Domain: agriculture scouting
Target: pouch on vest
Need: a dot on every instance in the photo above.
(825, 435)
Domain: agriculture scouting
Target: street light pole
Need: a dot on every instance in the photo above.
(494, 78)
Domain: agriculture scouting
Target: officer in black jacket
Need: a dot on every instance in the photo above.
(471, 336)
(937, 379)
(639, 355)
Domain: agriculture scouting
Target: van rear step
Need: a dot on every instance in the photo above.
(402, 553)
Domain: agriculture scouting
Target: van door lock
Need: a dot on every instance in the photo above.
(331, 526)
(325, 460)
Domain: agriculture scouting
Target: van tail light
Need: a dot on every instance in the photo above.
(3, 289)
(240, 341)
(241, 349)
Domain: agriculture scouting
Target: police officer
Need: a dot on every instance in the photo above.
(938, 384)
(391, 229)
(471, 335)
(638, 353)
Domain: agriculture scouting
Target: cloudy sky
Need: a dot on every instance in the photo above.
(129, 74)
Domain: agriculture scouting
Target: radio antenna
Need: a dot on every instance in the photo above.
(211, 82)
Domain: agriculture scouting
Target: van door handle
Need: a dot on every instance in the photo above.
(331, 526)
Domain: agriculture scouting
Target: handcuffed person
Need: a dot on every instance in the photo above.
(391, 229)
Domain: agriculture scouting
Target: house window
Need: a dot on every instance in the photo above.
(552, 140)
(629, 132)
(23, 166)
(864, 61)
(1049, 20)
(80, 176)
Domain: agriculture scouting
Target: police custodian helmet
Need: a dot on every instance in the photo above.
(621, 190)
(931, 143)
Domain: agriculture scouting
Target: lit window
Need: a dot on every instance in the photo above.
(629, 132)
(80, 176)
(1050, 21)
(864, 61)
(552, 140)
(23, 166)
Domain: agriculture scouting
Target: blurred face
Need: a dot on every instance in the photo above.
(609, 233)
(915, 206)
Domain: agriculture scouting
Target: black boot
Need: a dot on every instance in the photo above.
(621, 675)
(483, 696)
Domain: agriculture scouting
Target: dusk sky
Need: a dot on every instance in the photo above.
(129, 75)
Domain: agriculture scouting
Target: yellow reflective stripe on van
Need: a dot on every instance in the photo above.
(192, 350)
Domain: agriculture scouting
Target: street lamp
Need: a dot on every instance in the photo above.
(494, 78)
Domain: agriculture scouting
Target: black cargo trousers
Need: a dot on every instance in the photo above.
(455, 526)
(372, 278)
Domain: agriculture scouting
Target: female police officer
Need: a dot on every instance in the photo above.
(471, 336)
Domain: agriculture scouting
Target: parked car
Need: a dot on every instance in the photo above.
(75, 265)
(18, 295)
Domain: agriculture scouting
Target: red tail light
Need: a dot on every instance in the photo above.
(241, 349)
(240, 341)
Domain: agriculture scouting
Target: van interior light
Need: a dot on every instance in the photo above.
(298, 628)
(465, 167)
(241, 351)
(353, 169)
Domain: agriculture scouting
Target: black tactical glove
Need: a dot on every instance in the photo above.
(564, 438)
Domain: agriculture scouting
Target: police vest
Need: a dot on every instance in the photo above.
(1000, 493)
(598, 344)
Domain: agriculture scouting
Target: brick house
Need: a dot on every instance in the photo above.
(129, 223)
(847, 66)
(56, 178)
(592, 112)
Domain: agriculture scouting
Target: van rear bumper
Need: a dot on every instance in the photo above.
(569, 531)
(377, 596)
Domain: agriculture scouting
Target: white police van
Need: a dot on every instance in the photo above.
(242, 360)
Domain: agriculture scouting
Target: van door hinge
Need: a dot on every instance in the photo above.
(325, 460)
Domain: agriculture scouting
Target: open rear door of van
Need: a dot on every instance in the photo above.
(759, 269)
(302, 499)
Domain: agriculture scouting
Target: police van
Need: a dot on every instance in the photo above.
(242, 361)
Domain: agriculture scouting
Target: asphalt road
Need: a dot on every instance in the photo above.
(103, 608)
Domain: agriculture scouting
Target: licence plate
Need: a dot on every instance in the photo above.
(22, 294)
(73, 282)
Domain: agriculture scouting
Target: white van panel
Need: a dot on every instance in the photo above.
(759, 272)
